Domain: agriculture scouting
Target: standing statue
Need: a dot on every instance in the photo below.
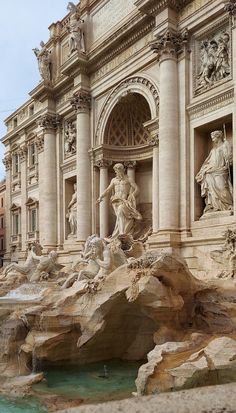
(70, 139)
(75, 28)
(214, 175)
(123, 198)
(72, 212)
(44, 61)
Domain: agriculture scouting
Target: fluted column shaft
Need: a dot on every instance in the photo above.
(104, 205)
(167, 46)
(81, 103)
(48, 201)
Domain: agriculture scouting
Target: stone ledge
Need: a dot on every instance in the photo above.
(211, 399)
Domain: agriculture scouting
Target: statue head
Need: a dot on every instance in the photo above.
(217, 135)
(119, 169)
(53, 255)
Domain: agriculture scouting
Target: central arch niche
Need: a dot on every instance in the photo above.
(125, 123)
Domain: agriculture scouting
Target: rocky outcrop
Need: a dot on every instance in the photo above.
(152, 307)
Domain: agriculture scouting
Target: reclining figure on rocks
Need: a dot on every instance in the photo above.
(27, 268)
(99, 259)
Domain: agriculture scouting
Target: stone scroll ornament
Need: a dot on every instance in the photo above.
(214, 62)
(215, 177)
(70, 139)
(75, 29)
(44, 61)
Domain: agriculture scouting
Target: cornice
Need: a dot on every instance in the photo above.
(211, 103)
(120, 41)
(154, 7)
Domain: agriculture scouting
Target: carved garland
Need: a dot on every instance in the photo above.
(137, 80)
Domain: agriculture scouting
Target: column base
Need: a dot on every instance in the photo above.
(165, 239)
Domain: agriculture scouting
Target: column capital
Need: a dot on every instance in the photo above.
(230, 7)
(40, 143)
(81, 101)
(22, 152)
(130, 164)
(102, 163)
(153, 140)
(7, 161)
(169, 44)
(49, 121)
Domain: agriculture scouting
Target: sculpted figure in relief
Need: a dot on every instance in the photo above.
(214, 62)
(214, 175)
(25, 268)
(70, 139)
(72, 212)
(123, 199)
(45, 267)
(44, 61)
(99, 259)
(75, 28)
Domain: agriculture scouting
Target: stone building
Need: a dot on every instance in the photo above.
(2, 220)
(142, 82)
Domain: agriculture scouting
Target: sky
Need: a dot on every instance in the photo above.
(23, 24)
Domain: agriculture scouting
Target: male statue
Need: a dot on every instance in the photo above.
(123, 199)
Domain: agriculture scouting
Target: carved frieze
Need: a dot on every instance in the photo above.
(81, 101)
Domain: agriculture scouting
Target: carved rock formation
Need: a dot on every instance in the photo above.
(150, 307)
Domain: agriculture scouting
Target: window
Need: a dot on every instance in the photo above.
(1, 244)
(33, 220)
(16, 224)
(1, 202)
(16, 163)
(15, 122)
(2, 222)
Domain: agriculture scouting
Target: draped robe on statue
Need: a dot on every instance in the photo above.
(214, 178)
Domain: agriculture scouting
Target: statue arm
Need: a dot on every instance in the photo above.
(135, 188)
(106, 263)
(107, 191)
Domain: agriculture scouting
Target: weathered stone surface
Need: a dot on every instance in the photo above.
(212, 399)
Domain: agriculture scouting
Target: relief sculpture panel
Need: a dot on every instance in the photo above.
(213, 61)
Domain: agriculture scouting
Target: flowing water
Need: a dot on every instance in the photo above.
(92, 383)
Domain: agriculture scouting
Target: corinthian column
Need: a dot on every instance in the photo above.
(103, 166)
(7, 161)
(167, 47)
(81, 103)
(23, 156)
(48, 190)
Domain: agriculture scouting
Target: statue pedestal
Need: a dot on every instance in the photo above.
(216, 214)
(71, 244)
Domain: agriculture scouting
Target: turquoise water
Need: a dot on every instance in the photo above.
(79, 382)
(25, 406)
